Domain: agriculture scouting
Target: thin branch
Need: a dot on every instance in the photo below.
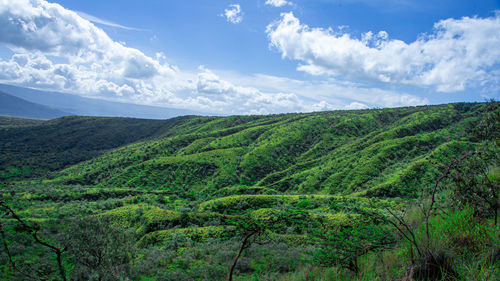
(434, 190)
(9, 255)
(413, 239)
(244, 245)
(34, 233)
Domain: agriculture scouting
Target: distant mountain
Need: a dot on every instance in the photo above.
(76, 105)
(17, 107)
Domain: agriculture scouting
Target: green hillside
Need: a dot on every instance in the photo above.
(32, 148)
(373, 152)
(382, 194)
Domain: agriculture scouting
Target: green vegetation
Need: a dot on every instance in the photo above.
(31, 148)
(385, 194)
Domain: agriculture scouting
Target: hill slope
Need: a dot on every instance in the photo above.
(31, 147)
(376, 152)
(17, 107)
(184, 193)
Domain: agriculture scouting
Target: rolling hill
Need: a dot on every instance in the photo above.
(376, 152)
(371, 152)
(33, 148)
(307, 196)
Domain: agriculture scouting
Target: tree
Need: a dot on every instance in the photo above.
(259, 229)
(477, 184)
(430, 264)
(477, 181)
(98, 249)
(346, 246)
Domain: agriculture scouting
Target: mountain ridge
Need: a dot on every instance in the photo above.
(13, 106)
(82, 106)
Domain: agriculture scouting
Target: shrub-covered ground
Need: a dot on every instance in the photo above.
(389, 194)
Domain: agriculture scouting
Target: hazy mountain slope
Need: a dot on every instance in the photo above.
(17, 107)
(77, 105)
(55, 144)
(374, 151)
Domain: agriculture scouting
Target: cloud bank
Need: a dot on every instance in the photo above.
(56, 49)
(458, 54)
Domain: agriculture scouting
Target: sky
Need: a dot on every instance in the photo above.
(255, 56)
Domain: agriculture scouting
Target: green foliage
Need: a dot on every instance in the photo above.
(346, 246)
(98, 250)
(175, 199)
(459, 247)
(477, 183)
(240, 203)
(198, 234)
(12, 122)
(373, 152)
(51, 145)
(244, 190)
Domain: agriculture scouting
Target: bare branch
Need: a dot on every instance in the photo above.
(9, 255)
(413, 239)
(445, 174)
(34, 233)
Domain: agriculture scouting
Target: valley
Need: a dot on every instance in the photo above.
(304, 196)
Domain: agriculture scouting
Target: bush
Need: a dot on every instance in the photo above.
(99, 250)
(345, 247)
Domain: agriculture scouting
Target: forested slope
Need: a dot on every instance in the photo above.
(381, 194)
(374, 152)
(32, 148)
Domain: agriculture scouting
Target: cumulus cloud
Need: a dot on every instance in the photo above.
(356, 105)
(56, 49)
(40, 27)
(233, 14)
(278, 3)
(458, 53)
(331, 93)
(239, 98)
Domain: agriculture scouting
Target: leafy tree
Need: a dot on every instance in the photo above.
(259, 229)
(99, 250)
(477, 181)
(346, 246)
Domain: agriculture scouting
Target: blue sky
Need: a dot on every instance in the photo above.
(268, 57)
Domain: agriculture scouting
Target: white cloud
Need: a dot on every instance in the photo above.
(55, 48)
(240, 99)
(336, 94)
(458, 54)
(233, 14)
(356, 105)
(40, 27)
(105, 22)
(278, 3)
